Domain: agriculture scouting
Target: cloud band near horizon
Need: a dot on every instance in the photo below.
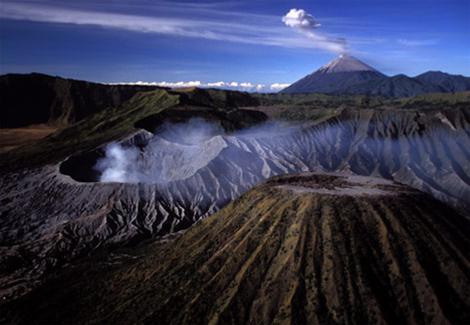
(232, 85)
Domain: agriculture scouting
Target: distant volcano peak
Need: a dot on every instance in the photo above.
(345, 63)
(335, 77)
(347, 75)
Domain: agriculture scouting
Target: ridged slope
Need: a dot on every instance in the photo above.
(396, 86)
(309, 249)
(48, 219)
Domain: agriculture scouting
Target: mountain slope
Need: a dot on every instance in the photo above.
(299, 249)
(447, 82)
(27, 99)
(336, 76)
(396, 86)
(348, 75)
(50, 215)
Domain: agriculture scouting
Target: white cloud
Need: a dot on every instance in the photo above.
(260, 87)
(246, 85)
(303, 22)
(179, 84)
(278, 86)
(299, 18)
(233, 85)
(216, 84)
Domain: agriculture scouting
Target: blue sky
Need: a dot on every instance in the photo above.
(229, 41)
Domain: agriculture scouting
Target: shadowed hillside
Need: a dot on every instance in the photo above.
(27, 99)
(102, 122)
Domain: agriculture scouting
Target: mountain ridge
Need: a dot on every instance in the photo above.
(347, 75)
(57, 101)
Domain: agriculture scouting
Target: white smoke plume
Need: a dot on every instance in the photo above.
(177, 151)
(304, 23)
(119, 164)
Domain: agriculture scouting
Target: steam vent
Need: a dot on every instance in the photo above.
(298, 249)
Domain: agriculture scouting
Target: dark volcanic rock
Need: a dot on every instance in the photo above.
(301, 249)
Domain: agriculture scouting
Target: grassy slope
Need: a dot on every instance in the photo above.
(276, 256)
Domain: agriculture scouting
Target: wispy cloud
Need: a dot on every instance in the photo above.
(232, 85)
(303, 22)
(229, 27)
(416, 42)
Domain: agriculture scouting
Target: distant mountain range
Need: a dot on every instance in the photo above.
(348, 75)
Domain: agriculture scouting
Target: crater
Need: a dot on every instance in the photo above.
(171, 145)
(337, 184)
(81, 167)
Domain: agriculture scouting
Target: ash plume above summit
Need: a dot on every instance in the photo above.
(303, 22)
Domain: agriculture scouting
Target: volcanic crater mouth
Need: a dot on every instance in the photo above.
(81, 167)
(177, 148)
(171, 145)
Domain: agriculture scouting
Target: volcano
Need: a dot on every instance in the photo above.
(298, 249)
(347, 75)
(195, 156)
(336, 76)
